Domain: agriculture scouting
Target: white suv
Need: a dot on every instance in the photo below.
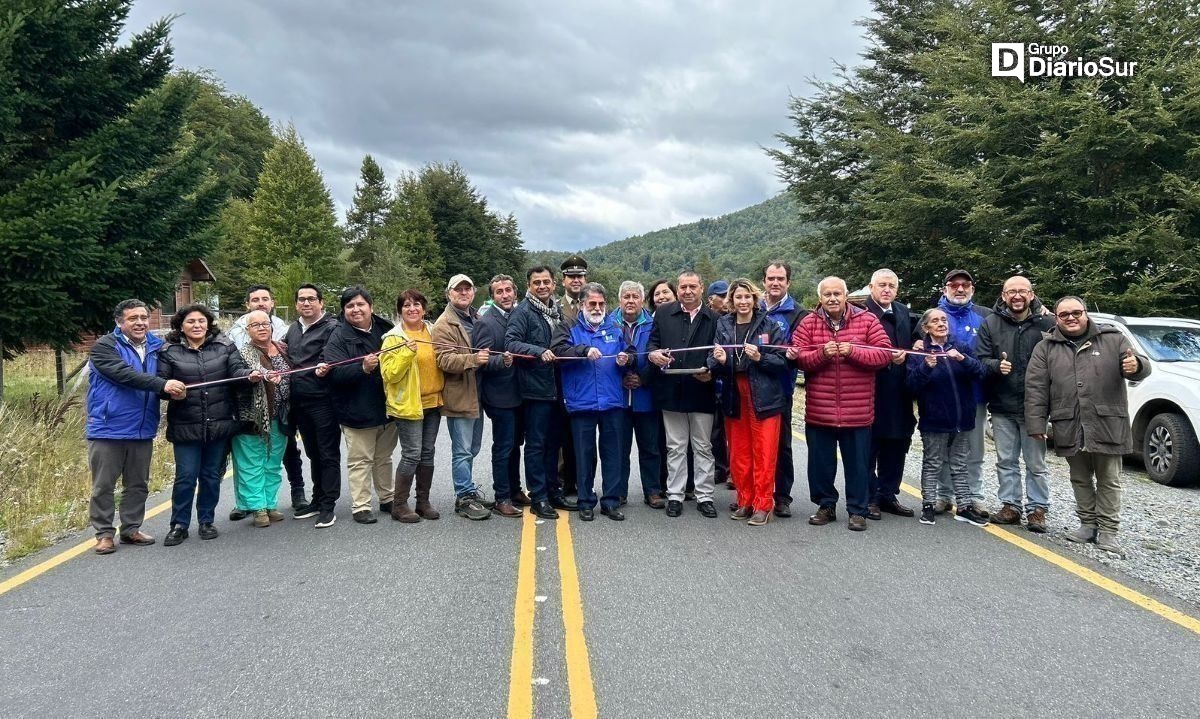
(1165, 407)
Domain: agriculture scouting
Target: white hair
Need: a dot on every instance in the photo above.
(833, 280)
(884, 272)
(628, 285)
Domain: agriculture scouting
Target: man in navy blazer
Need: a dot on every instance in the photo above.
(891, 435)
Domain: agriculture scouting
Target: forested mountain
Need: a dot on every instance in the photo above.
(735, 245)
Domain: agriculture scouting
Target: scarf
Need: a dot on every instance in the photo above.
(552, 313)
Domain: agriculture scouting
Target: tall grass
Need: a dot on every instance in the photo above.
(45, 484)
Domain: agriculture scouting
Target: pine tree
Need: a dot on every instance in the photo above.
(102, 195)
(410, 226)
(920, 160)
(292, 220)
(368, 213)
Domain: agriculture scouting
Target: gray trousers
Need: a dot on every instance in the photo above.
(974, 461)
(683, 428)
(418, 438)
(129, 460)
(1096, 479)
(945, 453)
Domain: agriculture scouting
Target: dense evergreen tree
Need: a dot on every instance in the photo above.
(102, 195)
(369, 211)
(922, 161)
(242, 135)
(292, 221)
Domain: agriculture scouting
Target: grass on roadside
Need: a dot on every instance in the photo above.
(46, 483)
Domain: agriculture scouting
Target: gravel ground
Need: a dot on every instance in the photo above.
(1160, 526)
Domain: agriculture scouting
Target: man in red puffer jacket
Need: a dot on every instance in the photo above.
(832, 346)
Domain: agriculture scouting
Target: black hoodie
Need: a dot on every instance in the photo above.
(1003, 333)
(359, 398)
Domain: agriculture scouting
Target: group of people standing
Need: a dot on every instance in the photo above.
(702, 381)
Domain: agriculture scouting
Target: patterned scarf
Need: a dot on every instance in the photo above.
(257, 412)
(552, 313)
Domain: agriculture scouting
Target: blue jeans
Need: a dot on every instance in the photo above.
(823, 443)
(1011, 445)
(648, 428)
(197, 463)
(504, 437)
(542, 440)
(466, 436)
(612, 442)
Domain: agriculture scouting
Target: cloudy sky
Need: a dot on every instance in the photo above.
(590, 120)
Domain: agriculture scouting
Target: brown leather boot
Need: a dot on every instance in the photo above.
(400, 510)
(424, 482)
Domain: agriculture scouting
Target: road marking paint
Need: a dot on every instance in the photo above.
(579, 669)
(1089, 575)
(521, 681)
(64, 556)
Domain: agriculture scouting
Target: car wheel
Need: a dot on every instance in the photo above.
(1170, 450)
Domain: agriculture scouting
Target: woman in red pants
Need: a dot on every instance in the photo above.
(751, 398)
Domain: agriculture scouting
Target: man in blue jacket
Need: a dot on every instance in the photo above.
(641, 416)
(966, 317)
(784, 312)
(595, 397)
(122, 420)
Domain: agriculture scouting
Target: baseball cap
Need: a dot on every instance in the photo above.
(457, 280)
(720, 287)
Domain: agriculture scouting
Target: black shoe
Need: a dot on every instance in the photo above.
(385, 507)
(674, 508)
(298, 499)
(236, 515)
(587, 514)
(207, 531)
(305, 511)
(177, 534)
(892, 506)
(968, 513)
(543, 510)
(614, 514)
(325, 519)
(364, 516)
(707, 509)
(561, 502)
(927, 514)
(783, 509)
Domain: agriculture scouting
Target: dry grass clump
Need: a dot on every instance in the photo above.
(45, 484)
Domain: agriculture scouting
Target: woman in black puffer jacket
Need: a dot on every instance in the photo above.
(201, 424)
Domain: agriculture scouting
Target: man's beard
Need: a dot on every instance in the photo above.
(595, 318)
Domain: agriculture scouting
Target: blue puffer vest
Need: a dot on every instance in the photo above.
(116, 411)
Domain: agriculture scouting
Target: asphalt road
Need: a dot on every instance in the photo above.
(686, 617)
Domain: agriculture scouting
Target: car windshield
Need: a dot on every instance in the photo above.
(1169, 344)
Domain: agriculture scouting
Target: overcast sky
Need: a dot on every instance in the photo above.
(589, 120)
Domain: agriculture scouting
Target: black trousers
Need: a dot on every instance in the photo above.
(292, 464)
(322, 436)
(886, 467)
(785, 471)
(720, 448)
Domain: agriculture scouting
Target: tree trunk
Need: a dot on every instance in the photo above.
(1, 373)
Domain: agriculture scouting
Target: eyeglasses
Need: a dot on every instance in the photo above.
(960, 285)
(1070, 315)
(259, 325)
(306, 300)
(1018, 293)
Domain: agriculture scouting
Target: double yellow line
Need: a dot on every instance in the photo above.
(579, 669)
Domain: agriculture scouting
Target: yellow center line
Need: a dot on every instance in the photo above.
(579, 669)
(520, 683)
(66, 555)
(1091, 576)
